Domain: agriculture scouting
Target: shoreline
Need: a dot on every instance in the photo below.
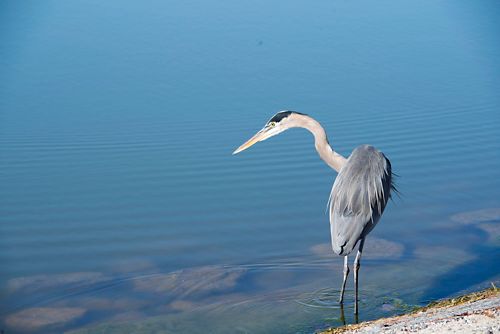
(477, 312)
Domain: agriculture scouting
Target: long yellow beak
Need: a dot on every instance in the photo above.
(256, 138)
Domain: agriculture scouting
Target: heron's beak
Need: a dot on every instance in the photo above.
(259, 136)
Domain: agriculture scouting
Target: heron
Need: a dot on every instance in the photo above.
(359, 194)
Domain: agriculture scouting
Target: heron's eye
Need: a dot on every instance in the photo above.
(272, 124)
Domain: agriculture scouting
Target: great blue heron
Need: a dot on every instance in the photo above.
(359, 194)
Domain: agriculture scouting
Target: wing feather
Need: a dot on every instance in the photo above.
(358, 197)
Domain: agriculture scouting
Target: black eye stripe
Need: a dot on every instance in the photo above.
(281, 115)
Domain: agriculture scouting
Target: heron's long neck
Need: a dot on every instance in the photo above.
(332, 158)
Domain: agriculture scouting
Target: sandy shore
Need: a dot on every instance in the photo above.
(477, 313)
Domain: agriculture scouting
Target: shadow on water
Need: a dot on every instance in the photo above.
(478, 270)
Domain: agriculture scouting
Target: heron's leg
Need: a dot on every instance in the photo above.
(356, 269)
(346, 272)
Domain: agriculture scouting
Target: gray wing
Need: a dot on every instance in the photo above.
(358, 198)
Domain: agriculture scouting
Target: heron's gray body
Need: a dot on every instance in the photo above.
(358, 198)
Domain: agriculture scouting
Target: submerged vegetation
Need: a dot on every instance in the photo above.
(444, 303)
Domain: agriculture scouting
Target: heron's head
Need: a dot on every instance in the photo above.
(280, 122)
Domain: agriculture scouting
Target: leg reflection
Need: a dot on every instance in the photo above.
(342, 316)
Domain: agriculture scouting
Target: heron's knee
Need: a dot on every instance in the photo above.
(356, 265)
(346, 270)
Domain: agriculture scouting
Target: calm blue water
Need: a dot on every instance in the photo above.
(122, 208)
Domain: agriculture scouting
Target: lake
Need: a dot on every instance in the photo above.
(123, 210)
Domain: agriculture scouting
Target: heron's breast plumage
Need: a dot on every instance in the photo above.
(358, 197)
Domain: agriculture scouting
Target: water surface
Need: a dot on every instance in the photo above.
(123, 209)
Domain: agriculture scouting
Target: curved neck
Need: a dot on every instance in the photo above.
(332, 158)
